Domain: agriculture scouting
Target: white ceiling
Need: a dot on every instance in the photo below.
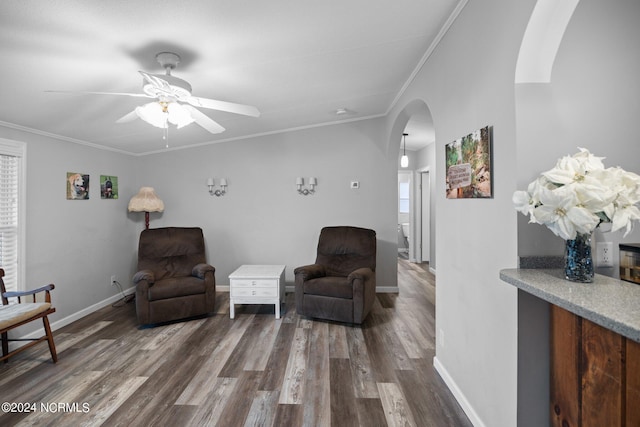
(297, 61)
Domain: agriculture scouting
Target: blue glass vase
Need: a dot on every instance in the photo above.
(578, 263)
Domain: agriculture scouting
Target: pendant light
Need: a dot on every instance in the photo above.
(404, 160)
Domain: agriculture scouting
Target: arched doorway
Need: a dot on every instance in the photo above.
(419, 222)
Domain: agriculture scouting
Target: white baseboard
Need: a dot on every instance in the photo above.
(432, 270)
(292, 288)
(79, 314)
(457, 393)
(97, 306)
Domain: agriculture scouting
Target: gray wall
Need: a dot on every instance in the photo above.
(75, 244)
(262, 219)
(79, 244)
(592, 102)
(468, 83)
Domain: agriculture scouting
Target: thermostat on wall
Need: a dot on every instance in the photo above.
(355, 184)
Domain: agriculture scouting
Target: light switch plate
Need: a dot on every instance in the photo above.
(355, 184)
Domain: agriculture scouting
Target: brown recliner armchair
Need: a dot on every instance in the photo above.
(173, 279)
(341, 285)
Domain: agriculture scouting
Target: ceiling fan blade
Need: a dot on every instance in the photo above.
(129, 117)
(204, 120)
(157, 82)
(231, 107)
(137, 95)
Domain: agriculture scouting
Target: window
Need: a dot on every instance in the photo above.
(11, 156)
(403, 197)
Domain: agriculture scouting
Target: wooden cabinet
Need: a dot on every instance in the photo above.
(595, 374)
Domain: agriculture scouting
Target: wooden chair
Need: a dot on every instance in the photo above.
(21, 313)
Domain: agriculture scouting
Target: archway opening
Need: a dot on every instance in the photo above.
(416, 210)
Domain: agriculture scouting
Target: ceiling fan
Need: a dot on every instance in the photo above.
(173, 100)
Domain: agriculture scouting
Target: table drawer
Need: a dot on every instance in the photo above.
(254, 283)
(254, 291)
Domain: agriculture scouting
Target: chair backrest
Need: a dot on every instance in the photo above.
(171, 251)
(343, 249)
(3, 289)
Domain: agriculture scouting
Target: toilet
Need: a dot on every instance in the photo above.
(405, 231)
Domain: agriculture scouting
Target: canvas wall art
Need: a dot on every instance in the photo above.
(108, 187)
(77, 186)
(468, 166)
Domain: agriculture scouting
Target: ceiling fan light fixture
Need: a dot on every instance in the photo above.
(178, 115)
(153, 113)
(160, 114)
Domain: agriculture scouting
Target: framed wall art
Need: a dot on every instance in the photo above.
(108, 187)
(469, 171)
(77, 186)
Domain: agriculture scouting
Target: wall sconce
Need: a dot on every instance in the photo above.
(223, 185)
(306, 191)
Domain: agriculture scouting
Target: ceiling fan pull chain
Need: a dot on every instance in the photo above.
(165, 135)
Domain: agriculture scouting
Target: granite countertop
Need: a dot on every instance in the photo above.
(611, 303)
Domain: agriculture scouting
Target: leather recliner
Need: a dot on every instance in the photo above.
(341, 284)
(173, 280)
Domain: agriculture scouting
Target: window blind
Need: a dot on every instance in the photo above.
(9, 235)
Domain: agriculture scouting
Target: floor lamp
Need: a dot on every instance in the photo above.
(146, 201)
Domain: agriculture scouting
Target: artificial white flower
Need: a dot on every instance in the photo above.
(592, 162)
(624, 217)
(578, 194)
(523, 202)
(561, 211)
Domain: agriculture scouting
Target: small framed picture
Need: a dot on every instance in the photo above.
(108, 187)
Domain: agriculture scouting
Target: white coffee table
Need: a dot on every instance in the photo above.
(256, 284)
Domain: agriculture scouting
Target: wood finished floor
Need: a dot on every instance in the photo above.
(251, 371)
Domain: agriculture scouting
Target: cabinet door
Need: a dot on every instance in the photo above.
(633, 383)
(595, 374)
(602, 372)
(565, 375)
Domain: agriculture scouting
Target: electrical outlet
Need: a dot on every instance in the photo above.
(113, 280)
(604, 256)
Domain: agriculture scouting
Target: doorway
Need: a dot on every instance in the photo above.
(425, 216)
(405, 201)
(414, 134)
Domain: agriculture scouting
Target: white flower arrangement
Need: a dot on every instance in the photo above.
(578, 194)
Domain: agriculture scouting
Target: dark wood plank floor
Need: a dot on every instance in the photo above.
(251, 371)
